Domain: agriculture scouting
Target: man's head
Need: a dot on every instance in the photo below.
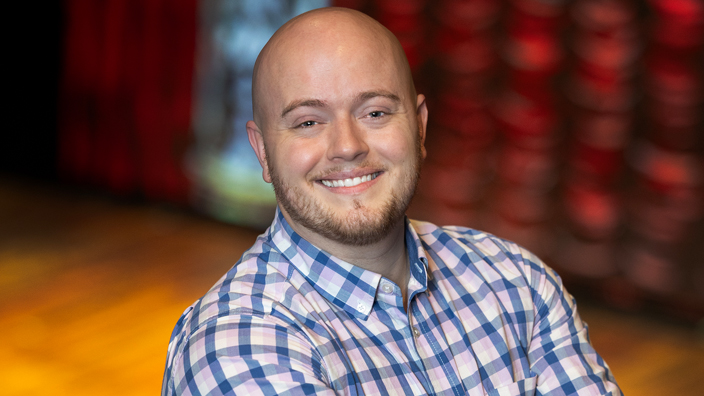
(338, 127)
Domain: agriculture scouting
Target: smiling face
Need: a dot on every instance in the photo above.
(338, 128)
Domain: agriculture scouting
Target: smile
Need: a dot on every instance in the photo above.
(351, 182)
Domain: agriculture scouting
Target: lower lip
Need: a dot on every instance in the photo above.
(354, 189)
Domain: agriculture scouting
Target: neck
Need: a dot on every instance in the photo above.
(387, 257)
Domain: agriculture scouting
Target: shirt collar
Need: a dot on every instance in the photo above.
(349, 287)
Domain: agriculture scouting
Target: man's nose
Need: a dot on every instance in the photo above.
(347, 140)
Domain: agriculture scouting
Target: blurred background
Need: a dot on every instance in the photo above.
(127, 184)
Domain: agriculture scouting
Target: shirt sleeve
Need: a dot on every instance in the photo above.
(247, 354)
(560, 352)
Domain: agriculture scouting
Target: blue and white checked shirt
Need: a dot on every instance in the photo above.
(485, 317)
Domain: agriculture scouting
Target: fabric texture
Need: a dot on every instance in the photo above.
(485, 317)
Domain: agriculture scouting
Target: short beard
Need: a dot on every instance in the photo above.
(361, 226)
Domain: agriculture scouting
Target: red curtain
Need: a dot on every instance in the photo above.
(125, 101)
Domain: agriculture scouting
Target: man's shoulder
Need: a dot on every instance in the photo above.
(435, 236)
(261, 291)
(457, 246)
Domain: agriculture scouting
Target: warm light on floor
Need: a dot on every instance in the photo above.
(91, 289)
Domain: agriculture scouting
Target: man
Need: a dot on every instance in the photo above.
(343, 294)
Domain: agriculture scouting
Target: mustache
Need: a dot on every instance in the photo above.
(347, 167)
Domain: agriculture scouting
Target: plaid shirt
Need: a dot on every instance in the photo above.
(484, 317)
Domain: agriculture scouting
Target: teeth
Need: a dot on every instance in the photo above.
(350, 182)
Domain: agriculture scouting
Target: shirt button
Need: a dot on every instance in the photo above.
(387, 288)
(361, 307)
(416, 332)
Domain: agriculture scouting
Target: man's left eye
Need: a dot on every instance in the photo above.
(307, 124)
(376, 114)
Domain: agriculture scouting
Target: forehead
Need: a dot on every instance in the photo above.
(332, 63)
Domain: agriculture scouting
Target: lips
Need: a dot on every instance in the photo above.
(350, 182)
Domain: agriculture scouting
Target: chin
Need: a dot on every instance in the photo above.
(359, 225)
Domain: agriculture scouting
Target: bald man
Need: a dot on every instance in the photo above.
(345, 295)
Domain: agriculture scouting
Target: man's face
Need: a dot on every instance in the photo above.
(343, 140)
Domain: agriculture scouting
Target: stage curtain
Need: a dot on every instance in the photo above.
(125, 95)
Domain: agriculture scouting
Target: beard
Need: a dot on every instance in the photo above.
(359, 226)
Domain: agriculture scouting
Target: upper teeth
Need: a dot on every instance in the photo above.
(350, 182)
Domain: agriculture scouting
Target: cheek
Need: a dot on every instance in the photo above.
(298, 157)
(398, 148)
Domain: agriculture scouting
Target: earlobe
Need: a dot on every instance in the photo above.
(256, 140)
(422, 115)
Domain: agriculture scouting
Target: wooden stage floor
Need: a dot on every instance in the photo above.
(90, 289)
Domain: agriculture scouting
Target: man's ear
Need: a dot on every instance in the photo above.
(256, 140)
(422, 115)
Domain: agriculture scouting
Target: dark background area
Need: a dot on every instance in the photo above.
(28, 145)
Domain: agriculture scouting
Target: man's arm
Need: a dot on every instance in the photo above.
(560, 352)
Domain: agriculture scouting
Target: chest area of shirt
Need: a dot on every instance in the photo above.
(448, 342)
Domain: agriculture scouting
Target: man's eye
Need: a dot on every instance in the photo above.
(376, 114)
(307, 124)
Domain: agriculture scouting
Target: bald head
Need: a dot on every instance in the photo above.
(314, 40)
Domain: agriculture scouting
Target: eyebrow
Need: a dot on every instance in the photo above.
(373, 94)
(364, 96)
(302, 103)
